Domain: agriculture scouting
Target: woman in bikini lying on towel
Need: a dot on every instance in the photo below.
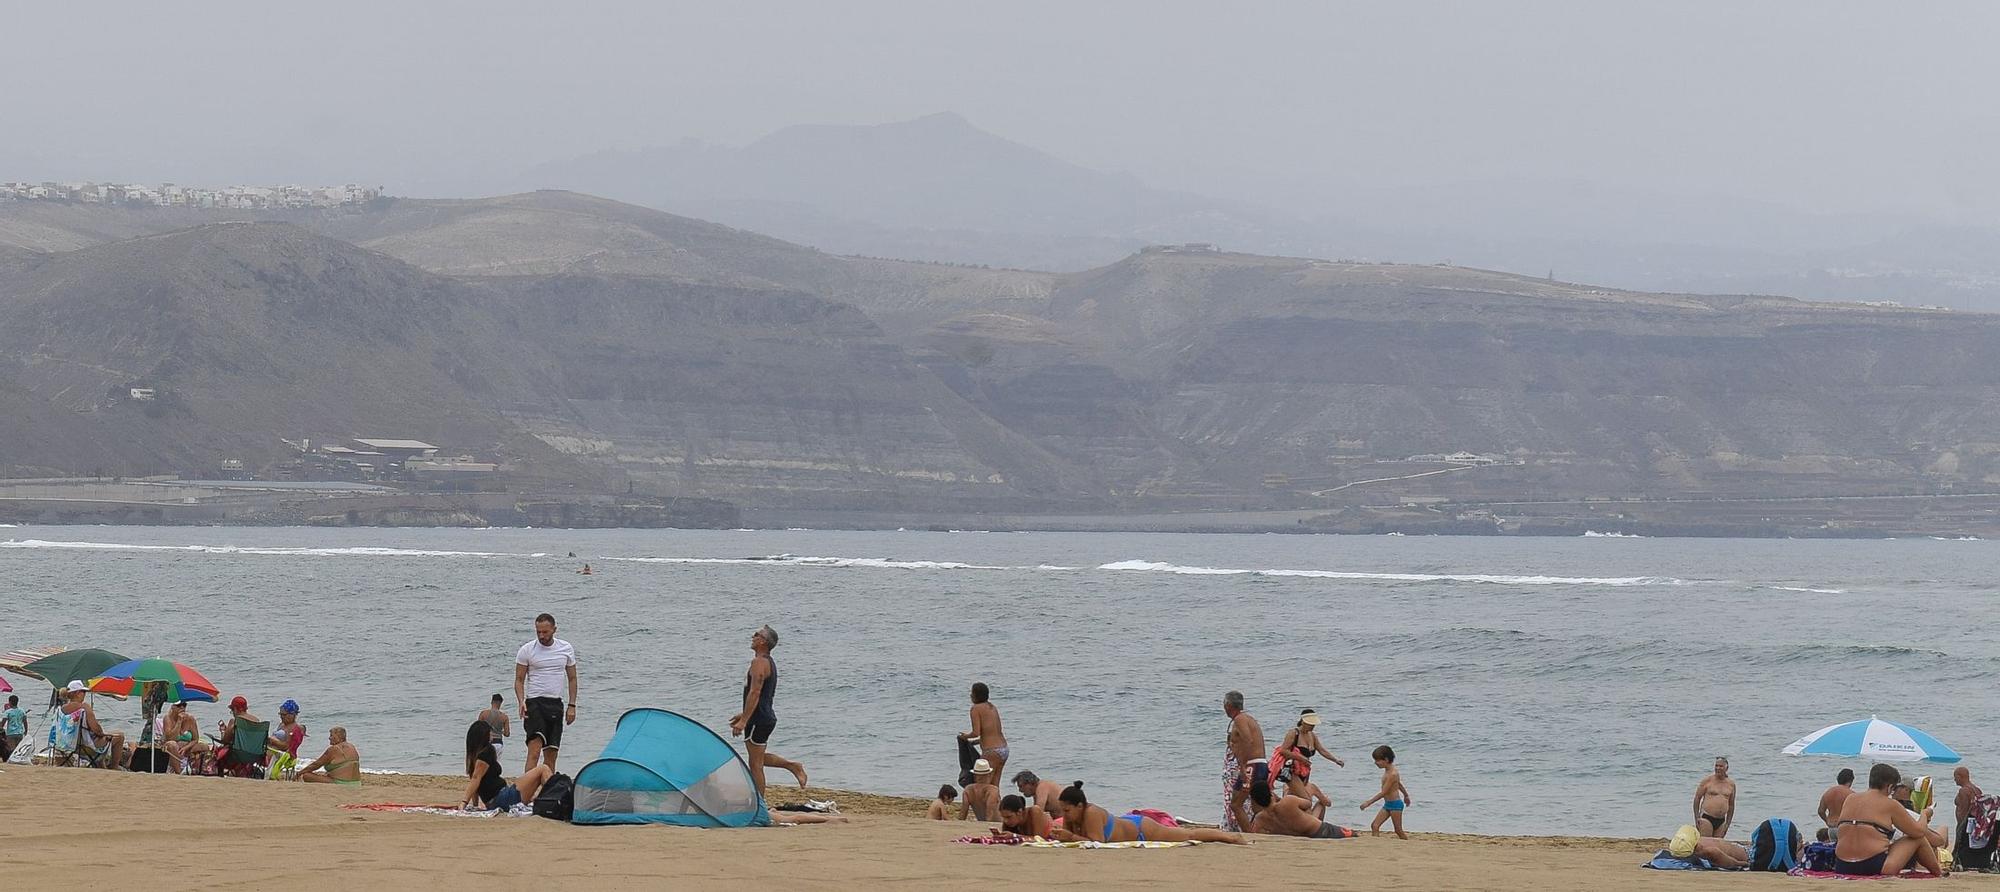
(1083, 822)
(1878, 836)
(1018, 818)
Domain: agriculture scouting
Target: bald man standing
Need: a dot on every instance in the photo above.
(1968, 793)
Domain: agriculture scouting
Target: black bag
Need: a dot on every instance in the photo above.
(967, 754)
(150, 759)
(557, 798)
(1965, 857)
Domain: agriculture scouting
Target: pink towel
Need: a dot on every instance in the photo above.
(1158, 816)
(1830, 875)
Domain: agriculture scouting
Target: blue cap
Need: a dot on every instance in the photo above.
(291, 706)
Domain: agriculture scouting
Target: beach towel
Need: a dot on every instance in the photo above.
(816, 806)
(1148, 844)
(1159, 817)
(1231, 773)
(450, 811)
(1666, 861)
(993, 840)
(1979, 827)
(1830, 875)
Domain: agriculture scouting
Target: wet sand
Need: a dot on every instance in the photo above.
(72, 828)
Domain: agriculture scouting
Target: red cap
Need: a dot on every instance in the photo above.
(238, 704)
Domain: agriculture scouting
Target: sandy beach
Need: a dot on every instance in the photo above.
(73, 828)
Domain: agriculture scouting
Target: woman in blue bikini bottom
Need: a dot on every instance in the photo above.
(1083, 822)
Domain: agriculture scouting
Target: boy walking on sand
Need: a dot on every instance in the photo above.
(1394, 796)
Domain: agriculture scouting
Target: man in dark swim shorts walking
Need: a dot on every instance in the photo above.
(540, 670)
(760, 715)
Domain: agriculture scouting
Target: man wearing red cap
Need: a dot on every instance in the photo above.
(239, 709)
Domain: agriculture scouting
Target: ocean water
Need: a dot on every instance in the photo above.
(1575, 686)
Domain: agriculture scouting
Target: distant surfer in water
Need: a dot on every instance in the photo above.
(586, 571)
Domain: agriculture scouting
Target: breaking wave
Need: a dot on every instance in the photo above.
(789, 560)
(356, 551)
(876, 563)
(1494, 579)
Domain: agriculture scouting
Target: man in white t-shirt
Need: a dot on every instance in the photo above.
(539, 672)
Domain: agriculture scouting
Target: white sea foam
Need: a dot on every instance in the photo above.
(872, 563)
(357, 551)
(1593, 534)
(1814, 591)
(1158, 567)
(790, 560)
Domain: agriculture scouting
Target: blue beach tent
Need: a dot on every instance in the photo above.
(665, 768)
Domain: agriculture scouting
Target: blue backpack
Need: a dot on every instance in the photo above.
(1775, 846)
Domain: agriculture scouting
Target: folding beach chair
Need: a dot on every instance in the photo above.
(248, 753)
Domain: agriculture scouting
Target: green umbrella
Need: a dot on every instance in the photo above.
(82, 664)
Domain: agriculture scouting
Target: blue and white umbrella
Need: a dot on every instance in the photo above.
(1873, 739)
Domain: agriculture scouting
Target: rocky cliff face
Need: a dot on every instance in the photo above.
(612, 348)
(250, 333)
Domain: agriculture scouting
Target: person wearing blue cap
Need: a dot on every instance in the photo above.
(289, 733)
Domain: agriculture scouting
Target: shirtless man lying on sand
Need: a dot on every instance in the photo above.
(1291, 816)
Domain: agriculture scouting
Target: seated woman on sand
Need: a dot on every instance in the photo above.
(1878, 836)
(288, 734)
(1083, 822)
(1021, 819)
(340, 764)
(180, 737)
(487, 789)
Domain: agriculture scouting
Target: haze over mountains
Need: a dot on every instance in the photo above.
(940, 188)
(600, 346)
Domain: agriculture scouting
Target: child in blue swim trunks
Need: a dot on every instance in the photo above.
(1394, 796)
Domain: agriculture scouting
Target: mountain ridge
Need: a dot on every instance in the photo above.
(693, 359)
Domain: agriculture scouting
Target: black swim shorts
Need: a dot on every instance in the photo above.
(545, 720)
(1260, 770)
(759, 731)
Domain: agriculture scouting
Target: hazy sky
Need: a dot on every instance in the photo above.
(1823, 106)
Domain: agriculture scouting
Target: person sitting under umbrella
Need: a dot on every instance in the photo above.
(1878, 836)
(180, 737)
(90, 733)
(239, 711)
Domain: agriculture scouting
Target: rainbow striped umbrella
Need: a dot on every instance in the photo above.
(127, 678)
